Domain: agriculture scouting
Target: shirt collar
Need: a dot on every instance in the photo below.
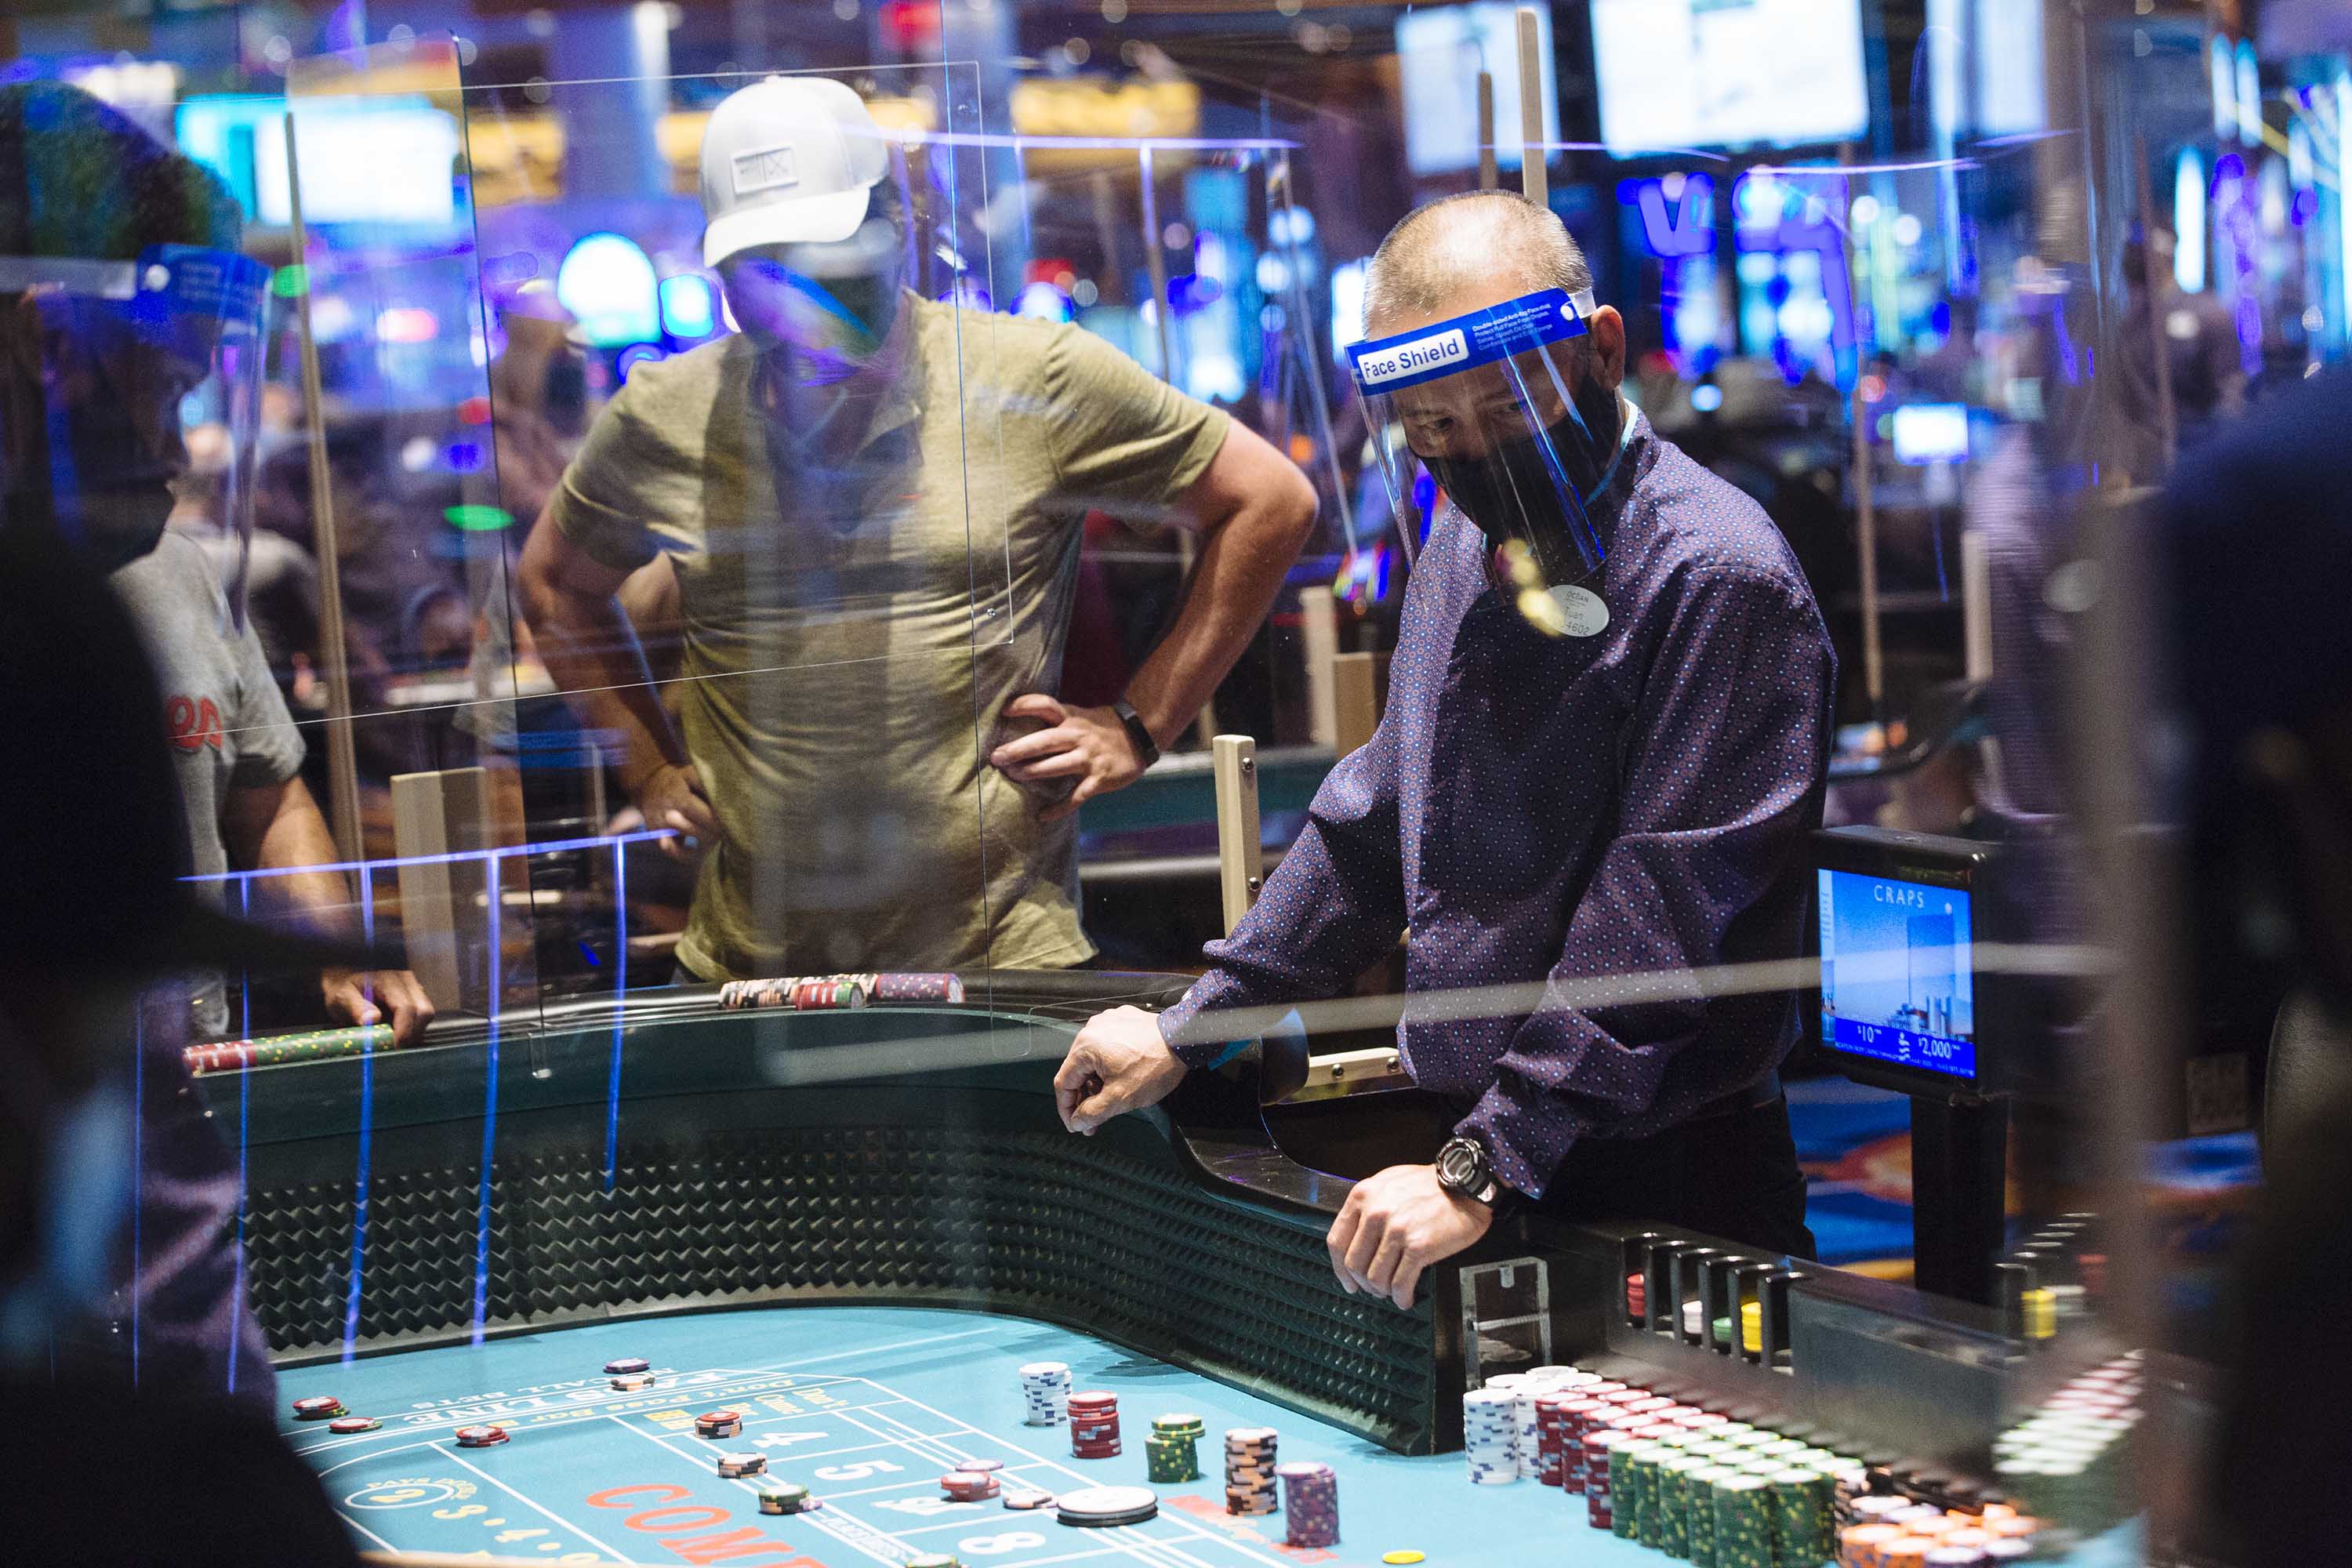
(1634, 441)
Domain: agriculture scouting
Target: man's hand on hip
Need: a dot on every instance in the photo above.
(366, 999)
(671, 799)
(1118, 1062)
(1397, 1222)
(1088, 744)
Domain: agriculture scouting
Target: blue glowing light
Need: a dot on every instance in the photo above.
(608, 283)
(689, 306)
(1688, 230)
(2189, 222)
(1706, 397)
(634, 355)
(1043, 302)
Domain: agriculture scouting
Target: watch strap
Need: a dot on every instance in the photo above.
(1138, 732)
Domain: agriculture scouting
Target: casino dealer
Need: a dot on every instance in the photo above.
(1605, 743)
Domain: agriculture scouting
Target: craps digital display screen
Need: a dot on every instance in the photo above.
(1897, 982)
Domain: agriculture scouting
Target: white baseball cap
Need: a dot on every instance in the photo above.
(786, 160)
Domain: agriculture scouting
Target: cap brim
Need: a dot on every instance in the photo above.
(804, 220)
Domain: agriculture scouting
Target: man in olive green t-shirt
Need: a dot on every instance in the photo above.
(872, 505)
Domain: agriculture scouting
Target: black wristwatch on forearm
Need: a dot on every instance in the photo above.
(1463, 1169)
(1146, 747)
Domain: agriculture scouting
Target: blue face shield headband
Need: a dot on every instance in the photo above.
(1482, 403)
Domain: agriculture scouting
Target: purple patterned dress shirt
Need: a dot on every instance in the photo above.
(1548, 810)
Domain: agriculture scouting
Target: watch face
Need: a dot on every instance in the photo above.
(1458, 1163)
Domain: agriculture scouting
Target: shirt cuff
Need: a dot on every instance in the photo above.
(1525, 1143)
(1176, 1028)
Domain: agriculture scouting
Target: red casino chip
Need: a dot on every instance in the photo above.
(318, 1407)
(480, 1436)
(348, 1423)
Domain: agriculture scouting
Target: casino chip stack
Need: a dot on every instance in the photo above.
(347, 1424)
(1310, 1504)
(1172, 1453)
(1553, 1432)
(1490, 1436)
(719, 1423)
(319, 1407)
(734, 1466)
(1045, 1393)
(1249, 1469)
(480, 1436)
(1094, 1426)
(1599, 1500)
(634, 1381)
(785, 1496)
(2072, 1460)
(970, 1485)
(630, 1373)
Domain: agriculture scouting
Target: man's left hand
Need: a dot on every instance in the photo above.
(1088, 744)
(1397, 1222)
(395, 990)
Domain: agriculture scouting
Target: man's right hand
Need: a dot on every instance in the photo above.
(672, 798)
(1118, 1062)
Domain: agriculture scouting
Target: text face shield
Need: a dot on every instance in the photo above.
(148, 376)
(1485, 405)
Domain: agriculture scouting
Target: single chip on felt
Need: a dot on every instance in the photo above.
(1399, 1557)
(1025, 1499)
(627, 1364)
(1102, 1507)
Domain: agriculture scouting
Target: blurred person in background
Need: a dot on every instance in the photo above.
(2196, 338)
(1605, 743)
(86, 922)
(120, 294)
(870, 505)
(2253, 559)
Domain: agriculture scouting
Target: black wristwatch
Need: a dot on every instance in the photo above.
(1464, 1168)
(1145, 746)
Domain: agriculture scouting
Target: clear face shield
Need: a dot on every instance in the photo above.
(128, 388)
(1496, 408)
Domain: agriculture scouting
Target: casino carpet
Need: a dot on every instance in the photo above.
(1854, 1143)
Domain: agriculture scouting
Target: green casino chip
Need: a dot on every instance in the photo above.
(1743, 1523)
(1674, 1504)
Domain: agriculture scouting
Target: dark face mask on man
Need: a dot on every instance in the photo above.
(1536, 487)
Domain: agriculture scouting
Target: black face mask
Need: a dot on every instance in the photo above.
(1510, 493)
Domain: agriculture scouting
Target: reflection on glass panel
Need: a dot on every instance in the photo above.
(1051, 699)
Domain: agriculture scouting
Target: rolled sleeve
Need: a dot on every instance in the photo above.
(1123, 441)
(268, 746)
(608, 496)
